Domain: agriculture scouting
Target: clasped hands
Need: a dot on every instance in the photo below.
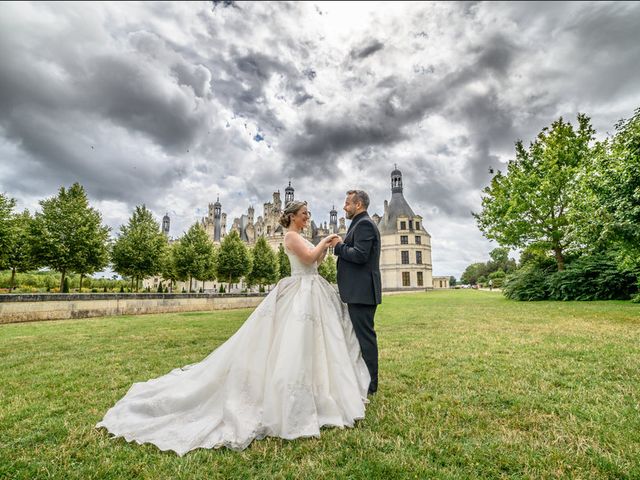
(332, 240)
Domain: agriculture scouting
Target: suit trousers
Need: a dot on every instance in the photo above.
(362, 320)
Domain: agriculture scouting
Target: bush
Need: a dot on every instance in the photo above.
(121, 289)
(528, 284)
(221, 290)
(595, 277)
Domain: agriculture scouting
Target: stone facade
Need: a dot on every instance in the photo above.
(441, 282)
(405, 260)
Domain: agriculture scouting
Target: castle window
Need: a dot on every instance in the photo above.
(410, 224)
(420, 280)
(417, 225)
(268, 229)
(405, 257)
(404, 239)
(418, 240)
(419, 258)
(403, 225)
(406, 279)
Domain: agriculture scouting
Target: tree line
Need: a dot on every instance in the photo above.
(67, 236)
(571, 205)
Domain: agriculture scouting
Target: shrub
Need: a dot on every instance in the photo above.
(593, 277)
(528, 284)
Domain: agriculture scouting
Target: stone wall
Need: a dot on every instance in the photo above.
(54, 306)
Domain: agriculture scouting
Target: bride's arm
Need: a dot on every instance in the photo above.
(295, 243)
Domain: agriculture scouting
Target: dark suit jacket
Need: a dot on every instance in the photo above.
(359, 262)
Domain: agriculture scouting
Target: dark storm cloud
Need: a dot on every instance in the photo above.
(368, 50)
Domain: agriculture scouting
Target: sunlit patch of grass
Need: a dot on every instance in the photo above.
(471, 386)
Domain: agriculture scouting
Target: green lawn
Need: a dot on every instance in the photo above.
(471, 386)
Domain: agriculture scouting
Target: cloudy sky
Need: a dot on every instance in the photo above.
(172, 104)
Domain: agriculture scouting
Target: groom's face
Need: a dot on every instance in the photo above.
(350, 206)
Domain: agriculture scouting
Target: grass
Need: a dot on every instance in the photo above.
(471, 386)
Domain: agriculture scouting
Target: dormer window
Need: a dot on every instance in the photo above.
(417, 225)
(403, 225)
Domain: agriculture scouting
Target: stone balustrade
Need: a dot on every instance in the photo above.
(56, 306)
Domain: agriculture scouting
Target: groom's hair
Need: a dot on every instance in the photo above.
(360, 196)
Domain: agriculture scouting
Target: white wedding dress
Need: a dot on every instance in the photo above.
(292, 367)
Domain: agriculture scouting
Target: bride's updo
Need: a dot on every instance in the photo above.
(289, 212)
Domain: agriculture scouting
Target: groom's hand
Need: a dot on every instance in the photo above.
(335, 241)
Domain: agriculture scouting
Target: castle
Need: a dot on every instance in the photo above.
(405, 260)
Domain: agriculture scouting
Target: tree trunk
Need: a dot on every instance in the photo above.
(559, 258)
(202, 286)
(81, 277)
(13, 277)
(132, 283)
(61, 281)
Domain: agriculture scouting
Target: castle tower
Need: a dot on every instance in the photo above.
(405, 260)
(288, 194)
(250, 212)
(396, 181)
(165, 224)
(277, 203)
(333, 219)
(217, 227)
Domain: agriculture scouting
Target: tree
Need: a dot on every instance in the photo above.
(530, 204)
(67, 235)
(500, 261)
(234, 260)
(452, 281)
(6, 228)
(168, 270)
(473, 273)
(609, 213)
(139, 250)
(265, 264)
(18, 254)
(194, 254)
(284, 266)
(328, 270)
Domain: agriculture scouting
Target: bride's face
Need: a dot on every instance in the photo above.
(301, 218)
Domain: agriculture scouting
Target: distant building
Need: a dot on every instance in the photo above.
(405, 260)
(441, 282)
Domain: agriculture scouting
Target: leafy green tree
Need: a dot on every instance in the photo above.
(530, 204)
(19, 256)
(500, 261)
(168, 270)
(194, 254)
(284, 266)
(328, 270)
(6, 228)
(473, 273)
(139, 250)
(608, 217)
(234, 260)
(68, 235)
(264, 270)
(452, 281)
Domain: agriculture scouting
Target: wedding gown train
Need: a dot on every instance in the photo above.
(292, 367)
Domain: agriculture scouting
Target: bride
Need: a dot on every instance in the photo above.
(292, 367)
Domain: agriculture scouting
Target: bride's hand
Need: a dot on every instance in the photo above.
(329, 239)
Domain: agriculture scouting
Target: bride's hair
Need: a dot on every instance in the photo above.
(289, 211)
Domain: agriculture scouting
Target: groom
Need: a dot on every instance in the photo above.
(359, 276)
